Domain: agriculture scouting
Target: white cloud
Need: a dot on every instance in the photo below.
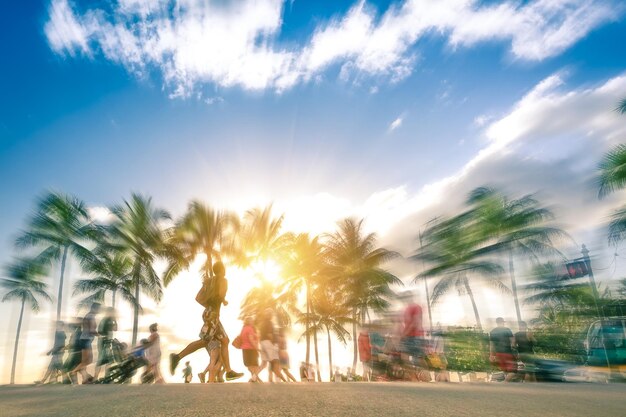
(550, 141)
(63, 31)
(396, 123)
(193, 42)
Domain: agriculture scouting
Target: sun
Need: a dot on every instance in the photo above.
(266, 270)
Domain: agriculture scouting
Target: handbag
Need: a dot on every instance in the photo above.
(237, 342)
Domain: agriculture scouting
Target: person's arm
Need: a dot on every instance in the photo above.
(151, 340)
(222, 291)
(492, 350)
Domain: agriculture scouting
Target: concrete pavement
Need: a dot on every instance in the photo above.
(325, 399)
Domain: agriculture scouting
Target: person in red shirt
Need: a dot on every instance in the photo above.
(365, 353)
(413, 334)
(250, 348)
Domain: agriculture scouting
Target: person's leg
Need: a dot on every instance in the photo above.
(158, 377)
(175, 358)
(224, 353)
(276, 370)
(214, 365)
(289, 375)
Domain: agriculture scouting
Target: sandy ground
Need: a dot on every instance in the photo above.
(325, 399)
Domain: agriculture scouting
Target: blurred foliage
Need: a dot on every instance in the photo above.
(467, 350)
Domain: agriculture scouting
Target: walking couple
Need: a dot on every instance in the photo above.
(212, 336)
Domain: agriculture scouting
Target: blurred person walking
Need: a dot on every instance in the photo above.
(413, 332)
(283, 355)
(250, 348)
(86, 339)
(365, 353)
(107, 326)
(437, 358)
(501, 345)
(525, 343)
(56, 361)
(153, 353)
(269, 347)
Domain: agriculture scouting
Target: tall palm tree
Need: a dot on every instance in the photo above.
(202, 230)
(452, 250)
(332, 315)
(514, 227)
(312, 331)
(110, 270)
(60, 227)
(138, 232)
(357, 269)
(304, 267)
(22, 282)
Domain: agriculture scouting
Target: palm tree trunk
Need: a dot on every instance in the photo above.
(430, 315)
(113, 298)
(471, 296)
(317, 359)
(17, 340)
(514, 288)
(308, 317)
(60, 294)
(330, 356)
(354, 342)
(136, 313)
(209, 260)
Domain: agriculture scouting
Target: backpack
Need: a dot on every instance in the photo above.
(208, 293)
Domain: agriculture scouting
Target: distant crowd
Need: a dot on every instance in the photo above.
(396, 350)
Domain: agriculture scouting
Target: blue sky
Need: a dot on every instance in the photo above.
(391, 110)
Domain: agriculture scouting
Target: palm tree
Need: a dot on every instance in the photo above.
(356, 263)
(452, 251)
(312, 331)
(23, 284)
(304, 267)
(514, 227)
(59, 226)
(111, 270)
(137, 232)
(560, 299)
(202, 230)
(621, 107)
(612, 177)
(332, 315)
(260, 238)
(269, 295)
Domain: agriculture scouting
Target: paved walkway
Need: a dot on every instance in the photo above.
(326, 399)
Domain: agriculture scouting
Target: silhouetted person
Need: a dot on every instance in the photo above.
(187, 373)
(525, 343)
(501, 344)
(212, 296)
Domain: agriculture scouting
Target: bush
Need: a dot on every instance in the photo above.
(467, 350)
